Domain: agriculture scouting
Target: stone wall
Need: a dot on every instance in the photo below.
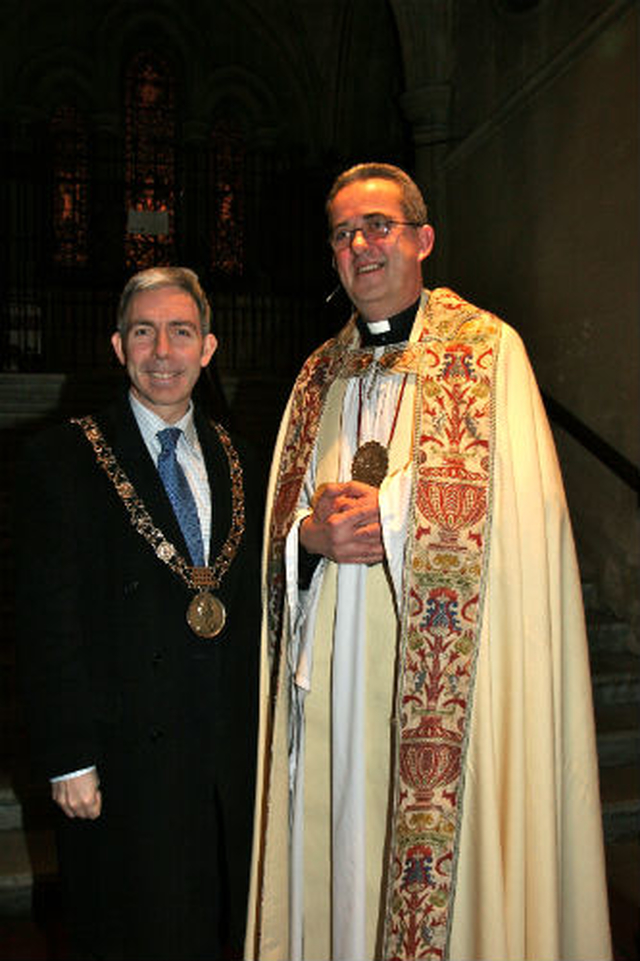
(542, 228)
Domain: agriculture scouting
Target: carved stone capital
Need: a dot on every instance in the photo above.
(428, 108)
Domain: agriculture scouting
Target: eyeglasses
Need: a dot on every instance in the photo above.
(374, 227)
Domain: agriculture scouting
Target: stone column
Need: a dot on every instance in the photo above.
(425, 30)
(427, 109)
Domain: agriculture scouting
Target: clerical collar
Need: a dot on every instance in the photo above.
(392, 331)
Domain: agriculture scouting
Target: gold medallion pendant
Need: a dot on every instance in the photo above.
(370, 463)
(371, 460)
(206, 614)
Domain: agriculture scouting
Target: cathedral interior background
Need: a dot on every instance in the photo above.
(207, 133)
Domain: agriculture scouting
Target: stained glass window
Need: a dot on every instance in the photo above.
(70, 187)
(227, 186)
(150, 163)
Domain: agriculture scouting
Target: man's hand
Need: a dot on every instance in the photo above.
(345, 524)
(79, 797)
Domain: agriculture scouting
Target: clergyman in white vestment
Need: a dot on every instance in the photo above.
(427, 772)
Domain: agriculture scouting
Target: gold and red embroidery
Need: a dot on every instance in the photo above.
(440, 631)
(453, 363)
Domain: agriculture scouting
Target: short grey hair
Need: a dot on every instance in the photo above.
(154, 279)
(412, 201)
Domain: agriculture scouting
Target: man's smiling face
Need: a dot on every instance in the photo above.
(164, 349)
(381, 277)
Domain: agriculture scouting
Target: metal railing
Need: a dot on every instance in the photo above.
(604, 452)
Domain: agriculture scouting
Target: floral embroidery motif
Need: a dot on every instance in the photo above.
(453, 363)
(440, 634)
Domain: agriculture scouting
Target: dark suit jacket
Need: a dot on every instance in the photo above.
(114, 676)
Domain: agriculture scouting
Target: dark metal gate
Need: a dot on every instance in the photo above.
(268, 314)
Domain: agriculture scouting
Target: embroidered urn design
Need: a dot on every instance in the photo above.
(453, 498)
(451, 490)
(429, 759)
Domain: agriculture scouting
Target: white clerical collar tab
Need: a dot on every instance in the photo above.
(378, 326)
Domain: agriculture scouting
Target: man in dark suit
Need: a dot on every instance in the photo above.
(139, 638)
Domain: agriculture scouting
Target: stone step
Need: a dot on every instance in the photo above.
(24, 804)
(28, 859)
(615, 679)
(10, 810)
(620, 784)
(623, 882)
(618, 734)
(590, 596)
(616, 748)
(609, 635)
(620, 799)
(621, 821)
(618, 743)
(28, 862)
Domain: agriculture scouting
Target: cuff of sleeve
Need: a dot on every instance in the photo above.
(66, 777)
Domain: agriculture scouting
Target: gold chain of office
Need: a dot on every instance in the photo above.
(206, 614)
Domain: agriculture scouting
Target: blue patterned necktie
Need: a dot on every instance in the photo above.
(179, 493)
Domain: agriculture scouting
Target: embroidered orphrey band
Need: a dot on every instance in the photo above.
(454, 366)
